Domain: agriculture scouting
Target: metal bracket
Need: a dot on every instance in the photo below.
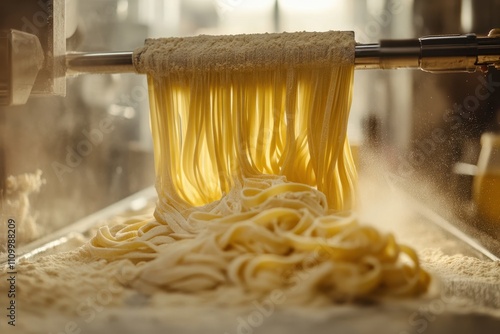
(44, 19)
(21, 57)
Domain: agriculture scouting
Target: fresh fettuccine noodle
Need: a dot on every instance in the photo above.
(263, 236)
(255, 184)
(222, 127)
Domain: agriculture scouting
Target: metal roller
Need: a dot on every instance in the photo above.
(444, 53)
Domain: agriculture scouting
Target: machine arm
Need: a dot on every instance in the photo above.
(445, 53)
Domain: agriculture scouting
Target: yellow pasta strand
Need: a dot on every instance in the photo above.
(256, 187)
(223, 127)
(286, 237)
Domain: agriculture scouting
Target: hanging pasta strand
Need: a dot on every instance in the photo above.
(255, 178)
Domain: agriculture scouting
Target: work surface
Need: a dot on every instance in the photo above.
(464, 297)
(381, 319)
(426, 316)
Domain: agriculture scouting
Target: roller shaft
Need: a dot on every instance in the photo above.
(109, 62)
(447, 53)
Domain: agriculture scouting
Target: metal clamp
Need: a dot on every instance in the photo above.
(21, 57)
(445, 53)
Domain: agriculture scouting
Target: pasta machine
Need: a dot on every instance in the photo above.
(446, 53)
(34, 60)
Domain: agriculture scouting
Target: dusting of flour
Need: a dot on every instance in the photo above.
(73, 287)
(15, 204)
(246, 52)
(466, 277)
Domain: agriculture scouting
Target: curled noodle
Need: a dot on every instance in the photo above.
(279, 232)
(255, 178)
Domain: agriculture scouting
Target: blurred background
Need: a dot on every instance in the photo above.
(425, 126)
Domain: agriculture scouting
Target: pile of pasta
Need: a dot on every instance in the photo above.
(267, 234)
(256, 182)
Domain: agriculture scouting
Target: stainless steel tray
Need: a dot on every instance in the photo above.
(83, 227)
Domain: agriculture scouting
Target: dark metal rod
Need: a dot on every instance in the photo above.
(452, 53)
(366, 56)
(104, 63)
